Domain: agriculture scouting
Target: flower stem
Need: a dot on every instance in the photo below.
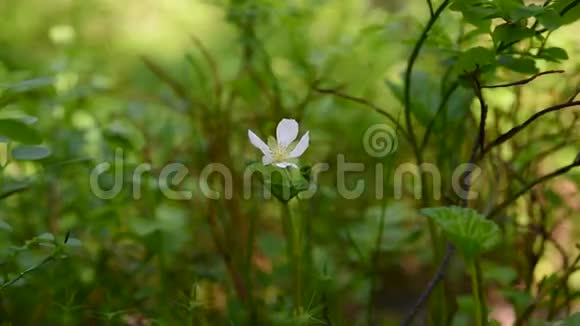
(480, 309)
(293, 229)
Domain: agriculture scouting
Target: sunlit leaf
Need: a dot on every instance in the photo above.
(471, 232)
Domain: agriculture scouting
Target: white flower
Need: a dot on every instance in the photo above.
(279, 151)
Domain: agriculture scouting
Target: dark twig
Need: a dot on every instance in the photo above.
(439, 274)
(569, 7)
(524, 81)
(31, 269)
(483, 117)
(512, 132)
(409, 72)
(338, 93)
(532, 184)
(543, 292)
(573, 97)
(450, 249)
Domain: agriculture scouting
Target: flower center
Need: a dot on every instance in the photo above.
(279, 154)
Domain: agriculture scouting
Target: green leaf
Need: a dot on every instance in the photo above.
(45, 237)
(5, 226)
(473, 59)
(284, 184)
(522, 12)
(572, 8)
(476, 12)
(554, 54)
(521, 65)
(469, 231)
(19, 131)
(30, 153)
(550, 19)
(74, 242)
(12, 188)
(510, 33)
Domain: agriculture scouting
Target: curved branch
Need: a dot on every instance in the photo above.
(524, 81)
(512, 132)
(532, 184)
(408, 75)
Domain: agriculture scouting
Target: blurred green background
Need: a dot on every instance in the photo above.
(182, 81)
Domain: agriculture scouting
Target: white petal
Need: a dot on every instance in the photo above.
(285, 165)
(286, 132)
(267, 159)
(258, 143)
(301, 146)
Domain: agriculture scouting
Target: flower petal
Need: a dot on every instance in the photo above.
(285, 165)
(301, 146)
(258, 143)
(286, 132)
(267, 159)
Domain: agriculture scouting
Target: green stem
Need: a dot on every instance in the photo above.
(293, 229)
(480, 309)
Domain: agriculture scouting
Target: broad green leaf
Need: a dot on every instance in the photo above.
(554, 54)
(510, 33)
(19, 131)
(30, 153)
(522, 65)
(473, 59)
(521, 12)
(469, 231)
(571, 8)
(284, 184)
(45, 237)
(12, 188)
(476, 12)
(550, 19)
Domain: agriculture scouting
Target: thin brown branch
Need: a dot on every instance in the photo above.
(532, 184)
(524, 81)
(515, 130)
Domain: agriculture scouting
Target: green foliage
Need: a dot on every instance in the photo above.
(19, 131)
(284, 184)
(469, 231)
(132, 88)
